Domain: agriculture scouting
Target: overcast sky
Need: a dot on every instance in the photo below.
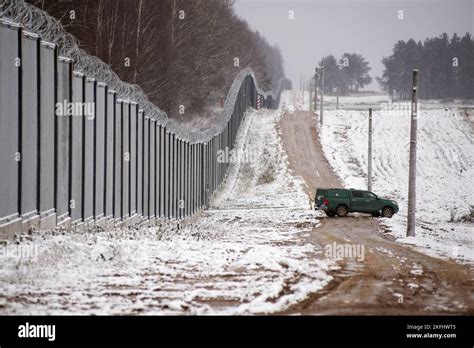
(367, 27)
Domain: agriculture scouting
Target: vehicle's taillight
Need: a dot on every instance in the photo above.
(326, 202)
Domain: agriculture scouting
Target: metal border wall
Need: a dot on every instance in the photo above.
(74, 153)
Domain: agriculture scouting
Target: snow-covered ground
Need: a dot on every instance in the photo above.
(245, 255)
(445, 170)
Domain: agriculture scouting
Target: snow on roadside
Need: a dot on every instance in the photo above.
(245, 255)
(445, 170)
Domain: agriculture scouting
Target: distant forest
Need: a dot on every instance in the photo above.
(180, 52)
(446, 68)
(347, 75)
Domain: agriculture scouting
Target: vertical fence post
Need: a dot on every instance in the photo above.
(182, 180)
(76, 185)
(178, 176)
(411, 220)
(167, 174)
(118, 154)
(321, 102)
(133, 156)
(188, 178)
(140, 174)
(369, 155)
(152, 173)
(109, 155)
(100, 139)
(172, 175)
(146, 167)
(88, 144)
(162, 172)
(126, 158)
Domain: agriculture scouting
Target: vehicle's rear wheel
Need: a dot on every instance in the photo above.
(330, 213)
(387, 212)
(342, 210)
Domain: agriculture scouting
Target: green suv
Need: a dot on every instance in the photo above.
(340, 202)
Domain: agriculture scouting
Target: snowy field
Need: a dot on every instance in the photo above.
(445, 168)
(245, 255)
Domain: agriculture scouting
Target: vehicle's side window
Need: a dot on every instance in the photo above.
(369, 195)
(357, 194)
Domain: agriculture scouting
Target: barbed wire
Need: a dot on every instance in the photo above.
(39, 22)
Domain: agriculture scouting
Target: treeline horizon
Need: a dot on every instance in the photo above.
(181, 53)
(346, 75)
(446, 68)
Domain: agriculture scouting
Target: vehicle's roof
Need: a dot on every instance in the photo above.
(340, 188)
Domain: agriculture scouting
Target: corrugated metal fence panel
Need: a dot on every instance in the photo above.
(75, 202)
(100, 138)
(29, 124)
(109, 153)
(9, 121)
(63, 121)
(89, 121)
(46, 128)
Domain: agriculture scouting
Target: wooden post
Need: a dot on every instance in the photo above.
(369, 155)
(411, 221)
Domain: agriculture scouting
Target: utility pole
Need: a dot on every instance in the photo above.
(412, 165)
(304, 83)
(369, 155)
(322, 96)
(315, 89)
(310, 94)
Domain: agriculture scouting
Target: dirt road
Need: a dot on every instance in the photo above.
(390, 278)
